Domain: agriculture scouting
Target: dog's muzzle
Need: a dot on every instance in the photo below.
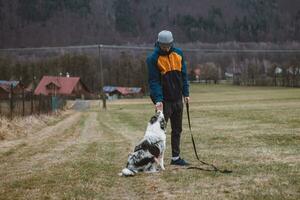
(159, 116)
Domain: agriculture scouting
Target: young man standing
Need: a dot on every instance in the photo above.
(168, 82)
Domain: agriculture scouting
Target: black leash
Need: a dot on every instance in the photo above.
(214, 168)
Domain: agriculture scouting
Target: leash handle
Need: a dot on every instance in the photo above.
(188, 115)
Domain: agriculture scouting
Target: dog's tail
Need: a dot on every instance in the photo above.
(127, 172)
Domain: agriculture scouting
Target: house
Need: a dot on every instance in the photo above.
(71, 87)
(5, 88)
(118, 92)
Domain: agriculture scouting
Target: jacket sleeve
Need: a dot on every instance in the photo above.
(185, 79)
(154, 81)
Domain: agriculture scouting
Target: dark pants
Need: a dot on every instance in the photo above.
(173, 111)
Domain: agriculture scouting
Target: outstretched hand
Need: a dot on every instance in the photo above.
(159, 106)
(186, 99)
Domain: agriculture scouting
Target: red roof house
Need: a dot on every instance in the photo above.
(5, 88)
(66, 86)
(123, 91)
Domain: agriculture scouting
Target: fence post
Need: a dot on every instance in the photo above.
(50, 104)
(31, 101)
(39, 111)
(23, 102)
(11, 101)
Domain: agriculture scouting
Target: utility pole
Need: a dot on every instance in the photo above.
(102, 78)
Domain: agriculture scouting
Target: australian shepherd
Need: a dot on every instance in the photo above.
(148, 155)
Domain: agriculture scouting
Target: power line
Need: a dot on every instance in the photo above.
(147, 48)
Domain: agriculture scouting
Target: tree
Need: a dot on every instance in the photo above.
(210, 72)
(124, 18)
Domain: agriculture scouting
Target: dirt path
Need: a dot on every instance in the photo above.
(79, 157)
(41, 135)
(39, 149)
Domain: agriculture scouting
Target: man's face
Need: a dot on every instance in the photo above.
(165, 47)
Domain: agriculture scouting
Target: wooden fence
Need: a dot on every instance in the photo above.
(25, 103)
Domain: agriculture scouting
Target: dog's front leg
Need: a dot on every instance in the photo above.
(161, 163)
(162, 156)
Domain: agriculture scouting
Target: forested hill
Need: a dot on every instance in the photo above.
(35, 23)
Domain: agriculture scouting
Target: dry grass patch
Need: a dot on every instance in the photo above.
(23, 126)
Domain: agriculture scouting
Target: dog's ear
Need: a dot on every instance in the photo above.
(153, 120)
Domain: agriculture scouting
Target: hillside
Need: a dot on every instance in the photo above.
(35, 23)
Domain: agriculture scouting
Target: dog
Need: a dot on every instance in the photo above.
(148, 155)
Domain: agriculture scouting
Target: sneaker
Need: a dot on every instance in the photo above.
(179, 162)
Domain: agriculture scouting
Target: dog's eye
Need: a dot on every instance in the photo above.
(162, 124)
(153, 120)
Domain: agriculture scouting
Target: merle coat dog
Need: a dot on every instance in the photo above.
(148, 155)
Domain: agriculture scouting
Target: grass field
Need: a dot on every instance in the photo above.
(254, 131)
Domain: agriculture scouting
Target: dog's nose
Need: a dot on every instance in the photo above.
(159, 113)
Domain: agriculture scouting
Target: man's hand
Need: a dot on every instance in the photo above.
(186, 99)
(159, 106)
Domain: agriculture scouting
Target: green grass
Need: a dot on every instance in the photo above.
(254, 131)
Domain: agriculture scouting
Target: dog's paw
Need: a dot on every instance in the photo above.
(127, 172)
(163, 168)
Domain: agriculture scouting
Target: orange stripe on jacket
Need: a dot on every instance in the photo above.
(169, 62)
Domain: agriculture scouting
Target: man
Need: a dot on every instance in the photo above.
(168, 82)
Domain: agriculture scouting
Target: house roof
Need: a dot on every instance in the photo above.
(54, 82)
(3, 82)
(65, 84)
(5, 85)
(5, 89)
(122, 90)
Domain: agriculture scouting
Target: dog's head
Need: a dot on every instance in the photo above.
(159, 120)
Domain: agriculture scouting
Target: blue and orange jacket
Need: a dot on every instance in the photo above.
(168, 79)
